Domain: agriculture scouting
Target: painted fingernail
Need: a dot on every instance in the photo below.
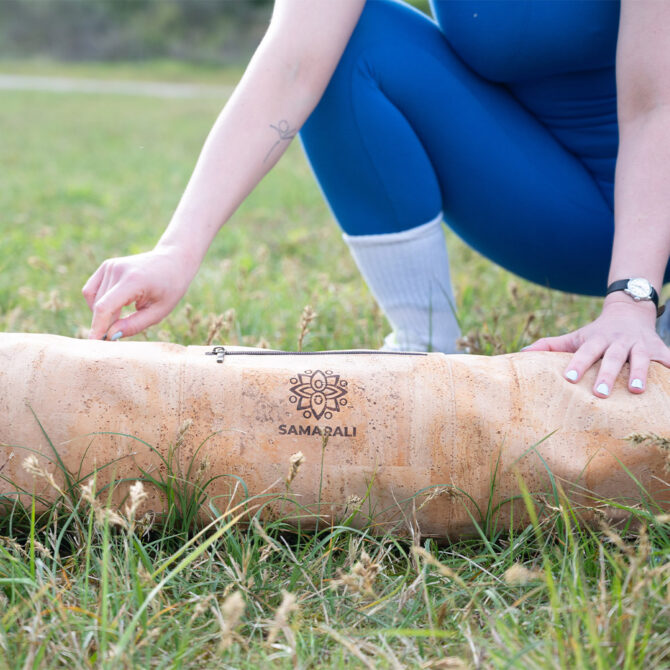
(603, 389)
(104, 337)
(572, 375)
(525, 348)
(117, 336)
(636, 384)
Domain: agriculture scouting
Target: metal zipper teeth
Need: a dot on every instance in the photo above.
(222, 352)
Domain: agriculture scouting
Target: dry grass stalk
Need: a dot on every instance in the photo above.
(616, 539)
(102, 514)
(201, 606)
(54, 303)
(281, 620)
(435, 492)
(443, 569)
(308, 315)
(137, 496)
(446, 663)
(32, 467)
(269, 546)
(662, 443)
(349, 645)
(9, 458)
(145, 577)
(215, 325)
(229, 614)
(193, 318)
(479, 343)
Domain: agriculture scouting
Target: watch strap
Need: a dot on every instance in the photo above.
(622, 284)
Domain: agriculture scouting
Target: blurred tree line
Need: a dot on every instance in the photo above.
(194, 30)
(215, 31)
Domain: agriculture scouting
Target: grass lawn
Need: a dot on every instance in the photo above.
(86, 177)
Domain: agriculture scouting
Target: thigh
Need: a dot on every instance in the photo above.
(506, 185)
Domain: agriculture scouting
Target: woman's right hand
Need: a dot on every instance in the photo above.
(155, 281)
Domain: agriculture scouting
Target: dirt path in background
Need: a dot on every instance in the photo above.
(150, 89)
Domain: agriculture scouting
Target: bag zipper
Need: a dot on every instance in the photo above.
(222, 352)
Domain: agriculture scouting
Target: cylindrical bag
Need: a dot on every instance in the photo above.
(422, 443)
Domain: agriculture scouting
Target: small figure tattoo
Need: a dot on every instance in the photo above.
(285, 134)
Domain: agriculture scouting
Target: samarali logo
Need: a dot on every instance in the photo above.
(318, 394)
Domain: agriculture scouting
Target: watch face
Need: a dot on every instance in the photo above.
(639, 288)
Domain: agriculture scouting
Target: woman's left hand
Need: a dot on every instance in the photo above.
(625, 331)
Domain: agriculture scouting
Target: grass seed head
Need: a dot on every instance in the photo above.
(102, 514)
(137, 496)
(435, 492)
(42, 550)
(231, 611)
(361, 578)
(308, 315)
(32, 467)
(11, 543)
(520, 575)
(353, 501)
(181, 433)
(295, 462)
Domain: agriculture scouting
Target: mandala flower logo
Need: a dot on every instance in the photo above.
(318, 394)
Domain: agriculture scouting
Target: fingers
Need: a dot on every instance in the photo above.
(614, 356)
(138, 321)
(568, 342)
(639, 367)
(92, 286)
(107, 308)
(613, 360)
(584, 358)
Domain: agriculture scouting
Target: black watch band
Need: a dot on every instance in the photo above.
(622, 285)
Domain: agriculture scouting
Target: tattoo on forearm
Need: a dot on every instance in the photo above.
(285, 132)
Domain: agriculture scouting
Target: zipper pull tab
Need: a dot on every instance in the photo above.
(219, 352)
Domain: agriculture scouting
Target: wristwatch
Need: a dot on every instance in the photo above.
(637, 288)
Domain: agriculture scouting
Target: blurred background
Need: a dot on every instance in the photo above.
(104, 106)
(198, 31)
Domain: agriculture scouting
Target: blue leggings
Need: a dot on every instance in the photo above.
(500, 114)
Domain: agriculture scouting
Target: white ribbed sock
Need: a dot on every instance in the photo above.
(408, 274)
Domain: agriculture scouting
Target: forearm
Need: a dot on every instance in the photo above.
(275, 96)
(281, 86)
(642, 197)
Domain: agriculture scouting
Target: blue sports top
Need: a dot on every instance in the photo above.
(515, 41)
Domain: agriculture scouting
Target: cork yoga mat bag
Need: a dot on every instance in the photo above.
(422, 443)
